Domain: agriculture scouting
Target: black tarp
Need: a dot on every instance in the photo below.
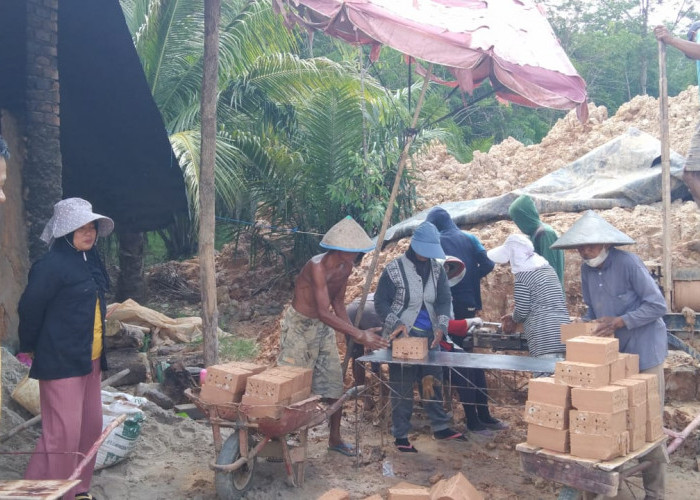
(623, 172)
(114, 146)
(13, 56)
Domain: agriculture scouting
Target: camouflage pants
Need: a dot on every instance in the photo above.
(310, 343)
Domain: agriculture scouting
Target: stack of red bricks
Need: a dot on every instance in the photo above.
(264, 391)
(597, 405)
(267, 393)
(457, 487)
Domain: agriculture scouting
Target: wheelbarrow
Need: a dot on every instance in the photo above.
(261, 437)
(585, 479)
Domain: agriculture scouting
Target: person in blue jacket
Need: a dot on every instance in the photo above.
(61, 325)
(466, 303)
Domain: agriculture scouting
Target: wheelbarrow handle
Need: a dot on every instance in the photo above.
(353, 392)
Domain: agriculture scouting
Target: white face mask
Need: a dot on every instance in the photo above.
(597, 261)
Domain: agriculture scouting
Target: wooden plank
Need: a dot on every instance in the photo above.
(609, 465)
(617, 462)
(571, 474)
(51, 489)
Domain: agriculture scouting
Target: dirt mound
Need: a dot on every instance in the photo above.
(510, 164)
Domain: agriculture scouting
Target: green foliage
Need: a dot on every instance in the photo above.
(611, 44)
(233, 348)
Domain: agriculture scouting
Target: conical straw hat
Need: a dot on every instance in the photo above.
(592, 229)
(347, 236)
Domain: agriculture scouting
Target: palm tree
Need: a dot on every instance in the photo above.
(290, 130)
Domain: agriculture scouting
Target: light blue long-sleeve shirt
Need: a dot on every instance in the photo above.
(623, 287)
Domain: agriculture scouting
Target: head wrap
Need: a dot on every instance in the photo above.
(455, 269)
(592, 229)
(517, 250)
(71, 214)
(347, 236)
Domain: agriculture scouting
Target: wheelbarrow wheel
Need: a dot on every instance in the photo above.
(232, 485)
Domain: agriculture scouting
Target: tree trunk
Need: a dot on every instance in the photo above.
(210, 314)
(131, 283)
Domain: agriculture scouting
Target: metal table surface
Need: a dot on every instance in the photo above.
(468, 360)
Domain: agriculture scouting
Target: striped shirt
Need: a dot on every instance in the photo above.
(540, 304)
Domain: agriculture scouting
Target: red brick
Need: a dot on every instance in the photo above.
(618, 369)
(270, 388)
(547, 390)
(637, 416)
(652, 382)
(571, 330)
(582, 374)
(599, 447)
(654, 429)
(638, 436)
(636, 390)
(457, 487)
(549, 439)
(631, 363)
(552, 416)
(409, 348)
(408, 491)
(597, 423)
(335, 494)
(609, 398)
(594, 350)
(261, 408)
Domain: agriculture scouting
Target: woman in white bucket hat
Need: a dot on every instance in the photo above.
(61, 323)
(540, 303)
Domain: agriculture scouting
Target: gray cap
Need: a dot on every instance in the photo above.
(592, 229)
(347, 236)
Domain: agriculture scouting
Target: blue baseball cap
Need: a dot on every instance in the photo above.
(426, 241)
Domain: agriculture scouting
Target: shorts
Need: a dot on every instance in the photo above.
(310, 343)
(692, 162)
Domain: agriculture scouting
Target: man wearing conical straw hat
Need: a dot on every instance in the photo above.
(626, 302)
(307, 335)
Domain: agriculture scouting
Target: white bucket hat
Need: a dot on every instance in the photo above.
(71, 214)
(519, 252)
(592, 229)
(347, 236)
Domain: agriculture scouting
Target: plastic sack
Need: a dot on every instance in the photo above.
(122, 440)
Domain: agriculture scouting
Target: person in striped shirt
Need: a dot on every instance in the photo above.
(540, 303)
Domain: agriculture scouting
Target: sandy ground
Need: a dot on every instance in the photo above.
(171, 459)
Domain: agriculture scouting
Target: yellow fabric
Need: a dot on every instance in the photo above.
(97, 335)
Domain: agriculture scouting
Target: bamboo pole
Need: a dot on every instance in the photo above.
(207, 220)
(388, 212)
(666, 266)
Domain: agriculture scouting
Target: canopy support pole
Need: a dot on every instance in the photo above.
(387, 213)
(666, 266)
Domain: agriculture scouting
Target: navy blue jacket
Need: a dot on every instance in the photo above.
(467, 248)
(57, 312)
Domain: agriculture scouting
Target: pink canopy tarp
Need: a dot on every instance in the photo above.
(508, 42)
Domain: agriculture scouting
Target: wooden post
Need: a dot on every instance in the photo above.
(666, 266)
(387, 213)
(207, 271)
